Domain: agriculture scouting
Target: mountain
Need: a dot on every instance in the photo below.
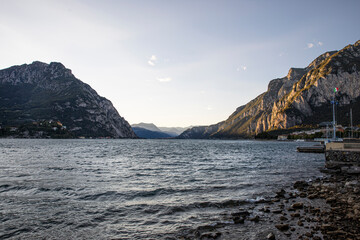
(150, 130)
(174, 131)
(148, 126)
(302, 97)
(40, 91)
(148, 134)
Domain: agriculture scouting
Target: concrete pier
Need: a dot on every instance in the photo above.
(343, 156)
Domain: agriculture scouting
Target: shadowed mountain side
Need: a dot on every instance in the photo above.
(40, 91)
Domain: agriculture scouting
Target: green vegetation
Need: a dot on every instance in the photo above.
(265, 135)
(305, 136)
(43, 129)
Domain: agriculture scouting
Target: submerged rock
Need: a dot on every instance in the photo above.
(282, 227)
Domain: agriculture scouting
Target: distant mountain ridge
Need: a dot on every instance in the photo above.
(148, 126)
(301, 97)
(148, 134)
(40, 91)
(150, 130)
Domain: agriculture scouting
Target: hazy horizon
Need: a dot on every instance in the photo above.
(178, 63)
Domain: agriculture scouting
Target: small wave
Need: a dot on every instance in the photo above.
(108, 195)
(15, 233)
(258, 199)
(8, 188)
(223, 204)
(61, 168)
(86, 225)
(170, 210)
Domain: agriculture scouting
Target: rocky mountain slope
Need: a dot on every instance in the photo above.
(40, 91)
(301, 97)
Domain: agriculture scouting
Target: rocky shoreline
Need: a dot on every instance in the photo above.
(323, 208)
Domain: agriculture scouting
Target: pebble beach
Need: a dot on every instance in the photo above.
(324, 208)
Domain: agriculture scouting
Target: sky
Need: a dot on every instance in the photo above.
(175, 63)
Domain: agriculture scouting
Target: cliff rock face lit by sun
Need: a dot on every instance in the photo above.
(301, 97)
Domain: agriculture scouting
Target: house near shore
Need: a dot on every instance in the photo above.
(282, 137)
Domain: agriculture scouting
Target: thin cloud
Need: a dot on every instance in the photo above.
(310, 45)
(152, 61)
(243, 68)
(314, 44)
(165, 79)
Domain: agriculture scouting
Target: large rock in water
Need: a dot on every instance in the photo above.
(302, 97)
(41, 91)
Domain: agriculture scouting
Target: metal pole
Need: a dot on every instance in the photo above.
(351, 123)
(334, 122)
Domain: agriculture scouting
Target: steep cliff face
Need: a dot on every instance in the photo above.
(41, 91)
(298, 98)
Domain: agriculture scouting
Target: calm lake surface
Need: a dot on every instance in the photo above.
(137, 189)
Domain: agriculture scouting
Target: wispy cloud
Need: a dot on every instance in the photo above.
(152, 61)
(164, 79)
(314, 44)
(310, 45)
(241, 68)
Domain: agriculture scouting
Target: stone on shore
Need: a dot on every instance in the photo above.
(282, 227)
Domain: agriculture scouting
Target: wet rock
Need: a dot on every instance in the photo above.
(328, 227)
(240, 214)
(351, 183)
(296, 214)
(205, 228)
(282, 227)
(265, 209)
(337, 233)
(312, 196)
(210, 235)
(303, 195)
(255, 219)
(297, 205)
(283, 218)
(300, 223)
(309, 234)
(280, 194)
(300, 185)
(330, 200)
(271, 236)
(239, 220)
(292, 195)
(277, 211)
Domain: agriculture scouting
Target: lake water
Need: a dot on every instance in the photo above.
(137, 189)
